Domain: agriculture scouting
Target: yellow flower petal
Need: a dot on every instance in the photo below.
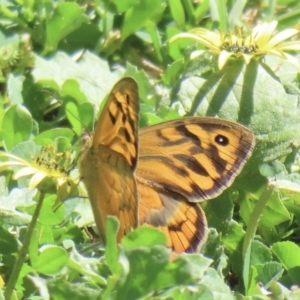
(247, 58)
(207, 34)
(24, 172)
(281, 36)
(276, 53)
(223, 58)
(290, 46)
(293, 60)
(199, 39)
(197, 53)
(262, 33)
(36, 179)
(7, 165)
(4, 154)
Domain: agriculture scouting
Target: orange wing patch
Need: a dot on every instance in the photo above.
(183, 223)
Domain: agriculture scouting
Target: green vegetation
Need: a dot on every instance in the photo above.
(59, 60)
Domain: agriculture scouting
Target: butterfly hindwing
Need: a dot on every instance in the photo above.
(183, 223)
(108, 161)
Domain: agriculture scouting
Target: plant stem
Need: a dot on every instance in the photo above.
(24, 250)
(251, 230)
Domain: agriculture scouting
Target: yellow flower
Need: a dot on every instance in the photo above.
(51, 166)
(259, 42)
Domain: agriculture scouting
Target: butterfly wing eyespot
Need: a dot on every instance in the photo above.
(185, 161)
(108, 160)
(221, 140)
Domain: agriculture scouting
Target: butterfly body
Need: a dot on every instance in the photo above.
(108, 178)
(177, 164)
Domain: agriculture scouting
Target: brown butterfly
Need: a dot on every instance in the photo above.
(156, 176)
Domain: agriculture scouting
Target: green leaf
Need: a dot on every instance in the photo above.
(82, 209)
(71, 88)
(252, 288)
(111, 249)
(288, 254)
(122, 6)
(16, 126)
(156, 40)
(93, 74)
(236, 12)
(62, 289)
(51, 260)
(8, 243)
(272, 168)
(201, 10)
(26, 150)
(172, 72)
(47, 215)
(184, 270)
(26, 270)
(144, 266)
(81, 117)
(271, 271)
(17, 198)
(274, 212)
(148, 119)
(137, 16)
(260, 254)
(200, 293)
(216, 285)
(176, 48)
(177, 12)
(214, 249)
(144, 236)
(290, 193)
(218, 12)
(52, 135)
(15, 87)
(219, 213)
(294, 274)
(62, 144)
(72, 113)
(140, 76)
(87, 266)
(45, 234)
(66, 18)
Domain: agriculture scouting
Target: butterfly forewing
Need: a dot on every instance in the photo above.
(196, 157)
(117, 127)
(108, 161)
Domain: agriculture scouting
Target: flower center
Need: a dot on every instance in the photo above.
(236, 43)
